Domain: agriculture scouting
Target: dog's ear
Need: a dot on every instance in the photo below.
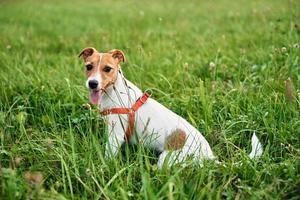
(117, 54)
(86, 52)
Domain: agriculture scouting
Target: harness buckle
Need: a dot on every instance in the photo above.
(141, 99)
(149, 92)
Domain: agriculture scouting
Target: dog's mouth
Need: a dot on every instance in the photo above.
(95, 96)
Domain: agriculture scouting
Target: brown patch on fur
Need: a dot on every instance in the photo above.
(108, 78)
(94, 60)
(175, 140)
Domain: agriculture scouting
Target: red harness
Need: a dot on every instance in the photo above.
(130, 112)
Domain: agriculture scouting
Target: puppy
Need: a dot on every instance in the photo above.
(135, 117)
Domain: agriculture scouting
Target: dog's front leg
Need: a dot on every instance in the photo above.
(115, 140)
(112, 146)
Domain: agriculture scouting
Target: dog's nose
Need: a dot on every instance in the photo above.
(93, 84)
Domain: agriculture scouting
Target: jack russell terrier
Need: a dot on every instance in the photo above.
(135, 117)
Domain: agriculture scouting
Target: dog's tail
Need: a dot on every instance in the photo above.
(257, 149)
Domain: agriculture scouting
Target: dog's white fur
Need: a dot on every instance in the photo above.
(153, 124)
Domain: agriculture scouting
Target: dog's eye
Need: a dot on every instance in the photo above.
(107, 69)
(89, 67)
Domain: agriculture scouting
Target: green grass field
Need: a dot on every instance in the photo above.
(229, 67)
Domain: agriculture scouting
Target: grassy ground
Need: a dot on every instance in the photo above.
(229, 67)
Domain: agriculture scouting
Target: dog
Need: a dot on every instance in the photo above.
(133, 116)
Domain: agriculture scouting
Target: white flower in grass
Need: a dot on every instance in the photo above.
(130, 194)
(283, 49)
(296, 45)
(185, 65)
(88, 172)
(212, 65)
(87, 106)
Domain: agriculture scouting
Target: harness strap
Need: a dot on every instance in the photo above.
(130, 112)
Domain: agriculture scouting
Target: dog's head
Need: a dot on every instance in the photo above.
(101, 70)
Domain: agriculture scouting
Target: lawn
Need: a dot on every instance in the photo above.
(230, 68)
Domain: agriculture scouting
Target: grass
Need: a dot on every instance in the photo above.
(229, 67)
